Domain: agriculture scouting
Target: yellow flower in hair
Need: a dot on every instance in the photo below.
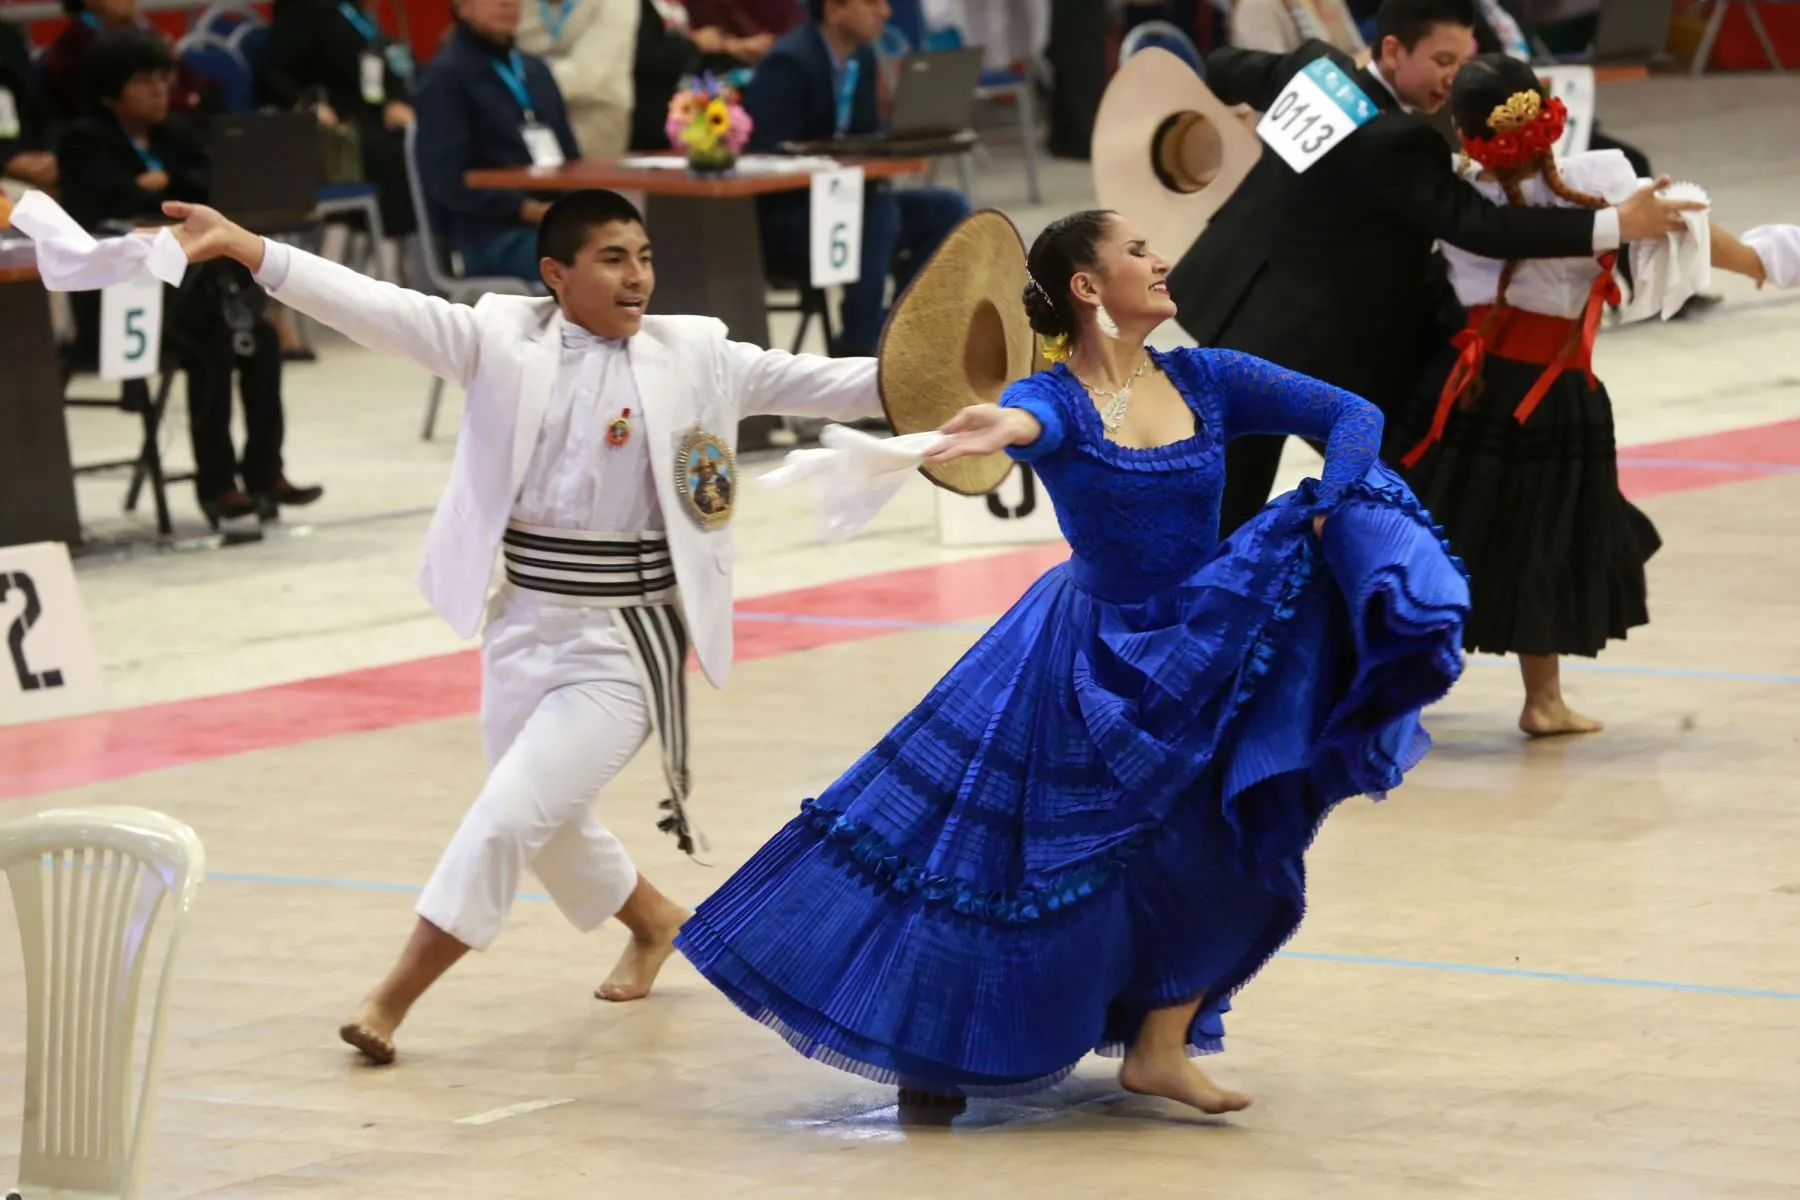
(718, 116)
(1056, 347)
(1520, 109)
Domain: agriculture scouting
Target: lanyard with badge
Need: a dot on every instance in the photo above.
(846, 96)
(1320, 107)
(152, 161)
(369, 64)
(540, 141)
(555, 17)
(9, 114)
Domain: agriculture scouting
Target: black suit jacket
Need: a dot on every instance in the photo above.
(313, 50)
(18, 76)
(100, 169)
(793, 98)
(1331, 272)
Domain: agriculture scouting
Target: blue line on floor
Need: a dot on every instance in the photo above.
(1570, 664)
(1359, 960)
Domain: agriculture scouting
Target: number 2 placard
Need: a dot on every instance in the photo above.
(48, 665)
(837, 213)
(131, 328)
(1315, 112)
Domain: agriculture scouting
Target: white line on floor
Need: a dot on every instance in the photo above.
(511, 1110)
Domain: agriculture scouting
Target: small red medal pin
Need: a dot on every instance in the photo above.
(619, 432)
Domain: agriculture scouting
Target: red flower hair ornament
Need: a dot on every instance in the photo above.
(1526, 128)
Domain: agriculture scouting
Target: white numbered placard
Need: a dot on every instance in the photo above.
(837, 215)
(1320, 107)
(48, 665)
(131, 316)
(1574, 86)
(1016, 513)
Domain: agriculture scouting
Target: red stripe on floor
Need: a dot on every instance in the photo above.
(54, 755)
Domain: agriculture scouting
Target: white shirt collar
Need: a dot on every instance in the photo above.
(1375, 70)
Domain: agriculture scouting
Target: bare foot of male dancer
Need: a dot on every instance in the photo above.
(428, 954)
(1545, 713)
(1157, 1065)
(654, 920)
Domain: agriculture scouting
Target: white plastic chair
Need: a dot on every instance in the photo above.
(87, 885)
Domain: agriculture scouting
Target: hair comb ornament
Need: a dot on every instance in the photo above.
(1525, 139)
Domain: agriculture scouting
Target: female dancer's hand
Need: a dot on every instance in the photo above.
(985, 429)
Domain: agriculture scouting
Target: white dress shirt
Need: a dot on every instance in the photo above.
(578, 480)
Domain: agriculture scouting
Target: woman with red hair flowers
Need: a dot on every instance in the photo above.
(1518, 464)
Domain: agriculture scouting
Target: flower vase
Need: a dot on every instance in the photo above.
(714, 160)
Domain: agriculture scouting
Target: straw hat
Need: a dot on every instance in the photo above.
(957, 337)
(1167, 153)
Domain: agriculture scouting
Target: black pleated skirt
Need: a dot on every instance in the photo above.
(1555, 552)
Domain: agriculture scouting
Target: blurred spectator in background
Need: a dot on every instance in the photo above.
(482, 102)
(670, 47)
(329, 56)
(26, 160)
(816, 83)
(120, 165)
(749, 19)
(1279, 26)
(589, 45)
(64, 61)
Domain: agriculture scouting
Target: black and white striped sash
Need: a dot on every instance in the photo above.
(634, 575)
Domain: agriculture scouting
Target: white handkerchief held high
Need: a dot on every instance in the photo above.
(1779, 248)
(854, 474)
(1667, 273)
(69, 259)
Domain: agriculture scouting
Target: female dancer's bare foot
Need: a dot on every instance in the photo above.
(654, 920)
(371, 1031)
(1555, 719)
(1180, 1080)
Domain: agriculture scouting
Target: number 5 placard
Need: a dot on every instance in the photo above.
(131, 328)
(837, 214)
(1320, 107)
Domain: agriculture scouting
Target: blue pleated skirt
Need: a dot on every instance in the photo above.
(1101, 810)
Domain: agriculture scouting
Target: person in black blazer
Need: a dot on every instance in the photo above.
(25, 155)
(118, 167)
(794, 97)
(1331, 272)
(333, 58)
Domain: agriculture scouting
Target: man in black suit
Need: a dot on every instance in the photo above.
(118, 167)
(1330, 271)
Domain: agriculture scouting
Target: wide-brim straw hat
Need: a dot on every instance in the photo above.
(1167, 153)
(957, 337)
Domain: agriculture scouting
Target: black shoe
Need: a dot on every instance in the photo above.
(288, 495)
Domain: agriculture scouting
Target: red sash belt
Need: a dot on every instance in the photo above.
(1557, 343)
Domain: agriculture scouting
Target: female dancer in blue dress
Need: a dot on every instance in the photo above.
(1090, 833)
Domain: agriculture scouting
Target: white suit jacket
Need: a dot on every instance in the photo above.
(504, 353)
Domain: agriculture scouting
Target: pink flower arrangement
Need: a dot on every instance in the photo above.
(706, 120)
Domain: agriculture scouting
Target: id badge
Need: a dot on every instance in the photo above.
(9, 114)
(1320, 107)
(374, 79)
(541, 141)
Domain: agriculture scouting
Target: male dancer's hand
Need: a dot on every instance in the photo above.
(1648, 216)
(205, 234)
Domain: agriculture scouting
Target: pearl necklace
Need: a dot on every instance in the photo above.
(1112, 413)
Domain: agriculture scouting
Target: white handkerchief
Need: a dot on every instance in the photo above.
(1779, 248)
(69, 259)
(1666, 274)
(854, 473)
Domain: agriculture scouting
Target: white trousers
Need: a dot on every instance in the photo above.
(562, 712)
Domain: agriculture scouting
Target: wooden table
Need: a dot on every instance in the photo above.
(37, 485)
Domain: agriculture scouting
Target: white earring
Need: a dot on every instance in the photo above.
(1104, 320)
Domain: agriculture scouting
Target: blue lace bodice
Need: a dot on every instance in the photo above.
(1153, 515)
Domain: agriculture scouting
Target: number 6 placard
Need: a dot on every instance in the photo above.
(131, 328)
(837, 213)
(1320, 107)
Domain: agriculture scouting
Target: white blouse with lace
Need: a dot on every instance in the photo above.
(1665, 273)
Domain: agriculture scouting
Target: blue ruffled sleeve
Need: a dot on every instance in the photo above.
(1256, 396)
(1037, 395)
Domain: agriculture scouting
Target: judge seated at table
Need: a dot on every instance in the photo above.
(484, 103)
(817, 82)
(118, 167)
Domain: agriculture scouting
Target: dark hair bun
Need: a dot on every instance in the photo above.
(1485, 83)
(1045, 320)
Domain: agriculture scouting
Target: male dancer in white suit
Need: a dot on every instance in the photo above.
(596, 453)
